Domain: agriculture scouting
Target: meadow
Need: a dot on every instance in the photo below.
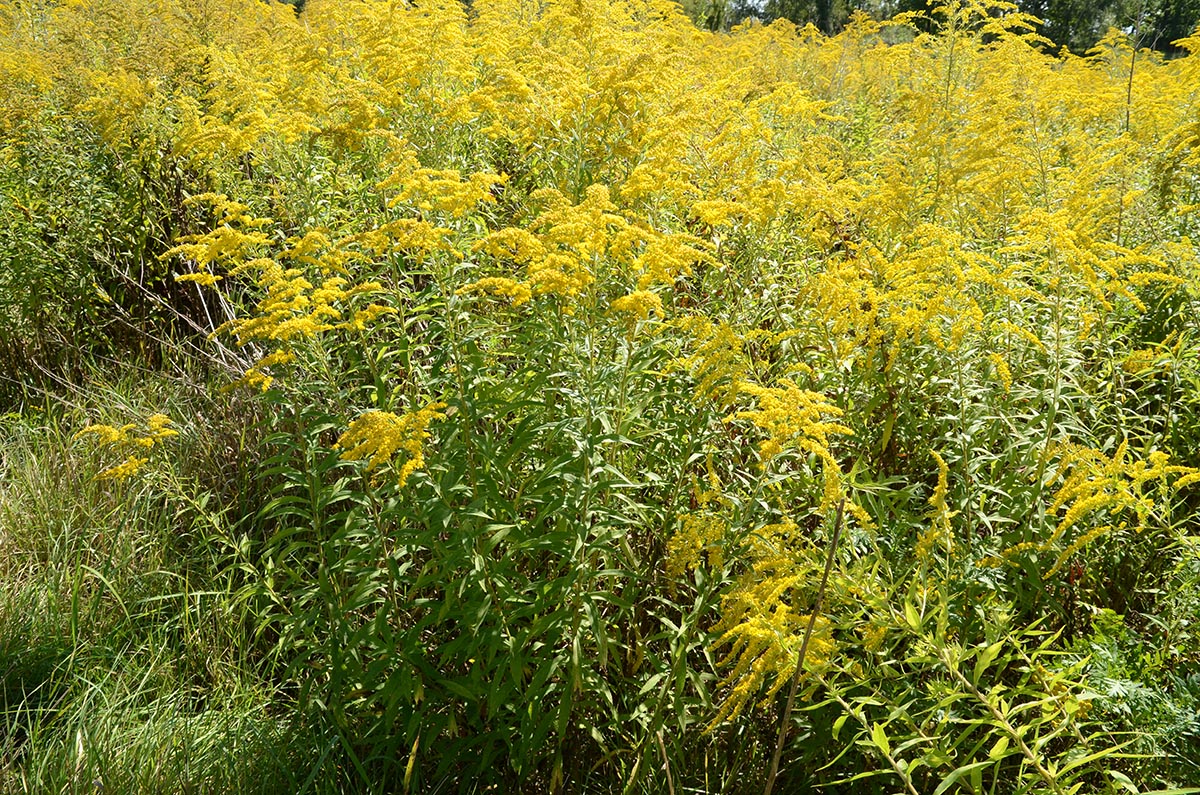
(549, 396)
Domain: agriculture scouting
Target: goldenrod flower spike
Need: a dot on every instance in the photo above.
(376, 436)
(129, 437)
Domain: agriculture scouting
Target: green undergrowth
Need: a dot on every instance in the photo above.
(123, 663)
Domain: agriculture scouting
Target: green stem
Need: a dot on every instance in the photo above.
(808, 631)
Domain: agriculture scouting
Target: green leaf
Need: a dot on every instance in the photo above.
(986, 659)
(837, 726)
(879, 737)
(958, 773)
(1125, 781)
(1103, 752)
(911, 616)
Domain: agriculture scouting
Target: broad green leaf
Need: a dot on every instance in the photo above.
(911, 616)
(880, 738)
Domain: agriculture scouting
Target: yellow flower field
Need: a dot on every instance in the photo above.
(528, 395)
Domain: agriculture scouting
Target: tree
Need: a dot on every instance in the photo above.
(1075, 24)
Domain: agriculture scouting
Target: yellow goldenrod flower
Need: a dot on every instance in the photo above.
(516, 292)
(377, 436)
(124, 470)
(639, 304)
(697, 533)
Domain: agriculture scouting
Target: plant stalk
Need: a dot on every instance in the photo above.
(785, 719)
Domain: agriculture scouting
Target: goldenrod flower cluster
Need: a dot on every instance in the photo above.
(566, 246)
(297, 303)
(130, 437)
(376, 436)
(939, 532)
(438, 190)
(516, 292)
(763, 618)
(698, 533)
(1095, 484)
(792, 416)
(1092, 481)
(639, 304)
(717, 361)
(225, 247)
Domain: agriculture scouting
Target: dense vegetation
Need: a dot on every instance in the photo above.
(1075, 24)
(427, 398)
